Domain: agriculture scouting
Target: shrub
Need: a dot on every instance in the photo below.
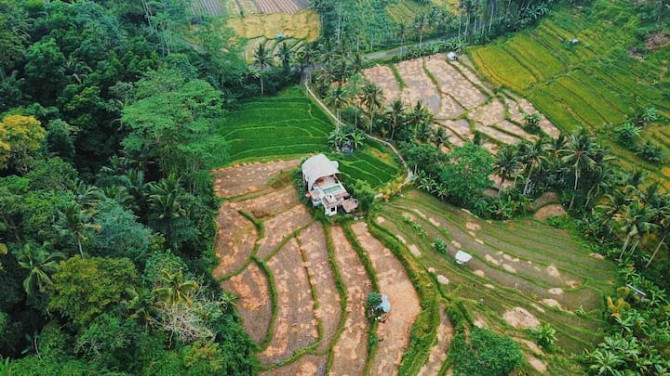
(626, 134)
(651, 152)
(545, 336)
(440, 246)
(486, 354)
(372, 301)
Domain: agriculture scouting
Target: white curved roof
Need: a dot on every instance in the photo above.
(317, 167)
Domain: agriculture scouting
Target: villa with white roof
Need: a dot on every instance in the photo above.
(323, 187)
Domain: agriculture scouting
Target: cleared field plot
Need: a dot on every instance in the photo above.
(254, 305)
(517, 267)
(349, 355)
(419, 86)
(315, 253)
(235, 240)
(308, 365)
(394, 282)
(248, 178)
(279, 227)
(383, 77)
(455, 95)
(295, 326)
(210, 7)
(271, 204)
(594, 82)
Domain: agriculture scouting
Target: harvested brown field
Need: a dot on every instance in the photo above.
(393, 334)
(271, 204)
(383, 77)
(282, 226)
(248, 178)
(254, 306)
(307, 365)
(295, 326)
(419, 86)
(314, 250)
(456, 95)
(235, 240)
(349, 355)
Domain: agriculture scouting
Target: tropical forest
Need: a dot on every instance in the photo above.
(334, 187)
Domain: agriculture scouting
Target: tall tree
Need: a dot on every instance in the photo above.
(262, 59)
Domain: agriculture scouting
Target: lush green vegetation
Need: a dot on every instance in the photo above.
(290, 125)
(612, 74)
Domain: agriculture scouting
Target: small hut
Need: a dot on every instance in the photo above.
(452, 56)
(462, 258)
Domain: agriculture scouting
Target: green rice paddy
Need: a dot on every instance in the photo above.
(289, 125)
(516, 264)
(596, 82)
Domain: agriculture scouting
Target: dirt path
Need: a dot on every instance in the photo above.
(349, 354)
(254, 305)
(281, 226)
(313, 247)
(235, 240)
(295, 325)
(438, 353)
(393, 281)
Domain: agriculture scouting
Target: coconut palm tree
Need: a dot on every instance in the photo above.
(395, 116)
(40, 264)
(579, 153)
(531, 156)
(440, 137)
(140, 304)
(77, 222)
(662, 222)
(372, 98)
(263, 60)
(174, 290)
(337, 97)
(635, 223)
(506, 164)
(285, 54)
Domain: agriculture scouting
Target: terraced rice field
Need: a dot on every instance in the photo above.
(596, 82)
(523, 272)
(459, 100)
(290, 125)
(302, 284)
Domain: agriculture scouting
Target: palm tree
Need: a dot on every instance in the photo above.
(419, 114)
(440, 137)
(77, 222)
(357, 139)
(336, 137)
(531, 155)
(140, 305)
(174, 290)
(506, 164)
(395, 116)
(165, 205)
(337, 97)
(579, 152)
(372, 97)
(40, 264)
(263, 60)
(635, 222)
(285, 53)
(662, 222)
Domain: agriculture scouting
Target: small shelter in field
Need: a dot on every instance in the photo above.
(452, 56)
(323, 186)
(462, 258)
(385, 305)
